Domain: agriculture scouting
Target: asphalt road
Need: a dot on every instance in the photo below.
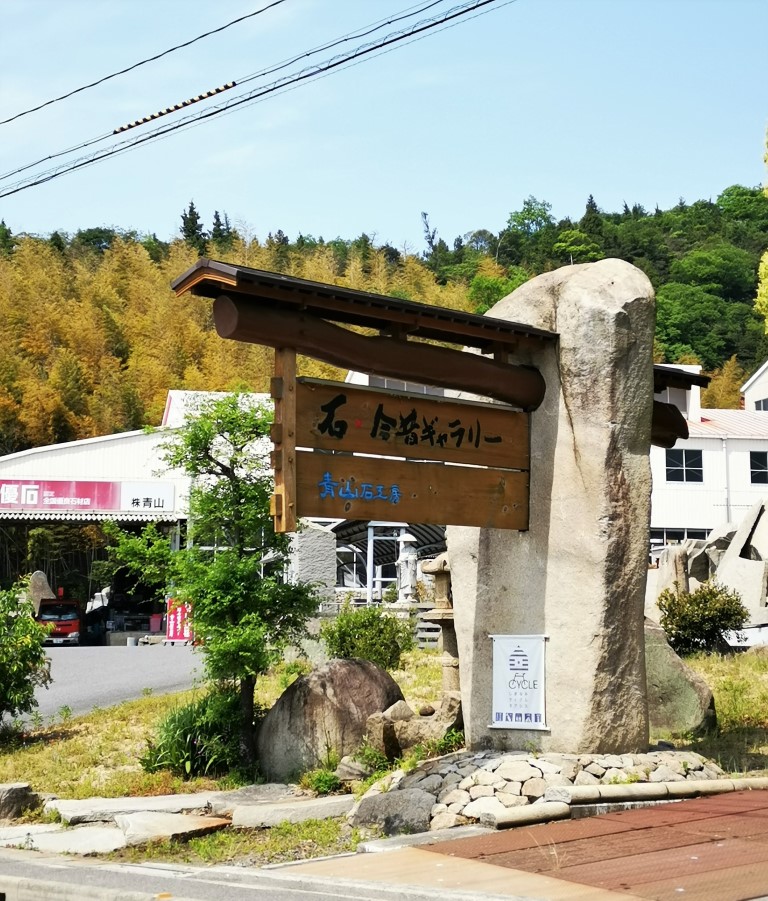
(56, 878)
(88, 677)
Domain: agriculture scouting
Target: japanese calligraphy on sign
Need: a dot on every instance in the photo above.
(340, 417)
(362, 453)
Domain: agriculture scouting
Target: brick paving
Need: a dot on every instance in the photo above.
(713, 848)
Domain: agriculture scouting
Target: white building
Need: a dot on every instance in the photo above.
(719, 472)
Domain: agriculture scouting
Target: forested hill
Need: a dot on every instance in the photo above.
(93, 338)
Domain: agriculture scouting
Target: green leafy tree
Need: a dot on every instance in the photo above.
(243, 612)
(724, 270)
(698, 620)
(23, 664)
(533, 217)
(576, 246)
(487, 290)
(147, 556)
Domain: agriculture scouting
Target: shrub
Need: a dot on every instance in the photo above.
(201, 738)
(368, 633)
(322, 781)
(698, 620)
(23, 663)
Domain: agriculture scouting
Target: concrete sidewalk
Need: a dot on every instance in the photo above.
(711, 848)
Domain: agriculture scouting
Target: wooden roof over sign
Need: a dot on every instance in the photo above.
(282, 311)
(209, 278)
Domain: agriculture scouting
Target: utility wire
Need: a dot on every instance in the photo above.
(407, 13)
(256, 94)
(142, 62)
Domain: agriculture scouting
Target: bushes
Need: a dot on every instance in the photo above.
(368, 633)
(23, 664)
(698, 621)
(201, 738)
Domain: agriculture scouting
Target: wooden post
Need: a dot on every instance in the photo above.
(283, 390)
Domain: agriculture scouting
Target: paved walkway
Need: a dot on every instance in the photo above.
(713, 848)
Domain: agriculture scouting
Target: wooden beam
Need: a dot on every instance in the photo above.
(241, 320)
(283, 507)
(667, 425)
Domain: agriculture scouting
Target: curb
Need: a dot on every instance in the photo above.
(558, 802)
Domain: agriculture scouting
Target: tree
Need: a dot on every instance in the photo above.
(576, 246)
(724, 390)
(23, 663)
(533, 217)
(723, 270)
(192, 229)
(222, 235)
(591, 223)
(6, 239)
(243, 612)
(487, 290)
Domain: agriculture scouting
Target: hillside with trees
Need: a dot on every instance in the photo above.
(93, 337)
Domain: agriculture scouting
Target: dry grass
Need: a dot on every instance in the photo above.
(98, 754)
(420, 677)
(95, 755)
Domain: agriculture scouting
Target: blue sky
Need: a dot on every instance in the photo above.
(642, 101)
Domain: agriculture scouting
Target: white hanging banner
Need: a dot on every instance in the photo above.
(519, 696)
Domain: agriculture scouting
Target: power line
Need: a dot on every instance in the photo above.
(406, 13)
(257, 94)
(142, 62)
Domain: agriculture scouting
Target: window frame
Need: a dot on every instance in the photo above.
(758, 468)
(684, 465)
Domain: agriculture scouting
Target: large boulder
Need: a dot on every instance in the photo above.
(321, 715)
(578, 574)
(679, 700)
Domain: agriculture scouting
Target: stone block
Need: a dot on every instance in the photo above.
(588, 529)
(406, 810)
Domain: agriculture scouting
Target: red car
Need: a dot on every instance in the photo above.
(64, 616)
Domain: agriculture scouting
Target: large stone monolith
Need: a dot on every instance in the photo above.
(578, 574)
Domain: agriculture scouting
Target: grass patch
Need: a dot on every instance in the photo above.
(739, 683)
(253, 847)
(420, 677)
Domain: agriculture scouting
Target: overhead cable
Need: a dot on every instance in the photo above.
(407, 13)
(256, 94)
(142, 62)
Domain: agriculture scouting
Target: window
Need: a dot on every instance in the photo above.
(758, 467)
(684, 466)
(761, 404)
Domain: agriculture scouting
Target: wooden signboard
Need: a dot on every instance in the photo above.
(369, 454)
(337, 416)
(351, 487)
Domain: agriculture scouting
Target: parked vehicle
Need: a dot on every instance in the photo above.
(64, 617)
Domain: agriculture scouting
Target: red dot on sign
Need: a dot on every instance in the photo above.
(358, 423)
